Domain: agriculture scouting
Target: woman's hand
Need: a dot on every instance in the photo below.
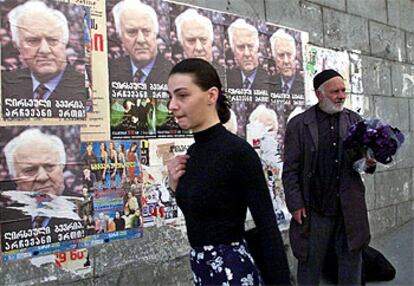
(176, 168)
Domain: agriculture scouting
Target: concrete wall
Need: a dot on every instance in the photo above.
(383, 31)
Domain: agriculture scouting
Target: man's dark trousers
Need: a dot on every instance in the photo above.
(326, 231)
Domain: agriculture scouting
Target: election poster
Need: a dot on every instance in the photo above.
(43, 60)
(198, 33)
(40, 190)
(248, 79)
(139, 61)
(109, 180)
(59, 194)
(78, 93)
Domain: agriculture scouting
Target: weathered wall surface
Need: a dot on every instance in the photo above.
(383, 31)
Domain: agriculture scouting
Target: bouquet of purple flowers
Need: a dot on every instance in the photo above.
(375, 139)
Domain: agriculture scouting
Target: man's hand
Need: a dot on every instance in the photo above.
(370, 162)
(299, 214)
(176, 168)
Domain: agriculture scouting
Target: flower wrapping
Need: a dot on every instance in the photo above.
(375, 139)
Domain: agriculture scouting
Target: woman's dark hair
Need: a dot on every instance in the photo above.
(133, 144)
(205, 77)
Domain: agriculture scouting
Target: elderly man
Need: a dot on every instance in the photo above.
(287, 79)
(195, 34)
(36, 161)
(323, 192)
(137, 26)
(244, 42)
(41, 35)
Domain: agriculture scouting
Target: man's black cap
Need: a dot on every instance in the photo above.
(323, 76)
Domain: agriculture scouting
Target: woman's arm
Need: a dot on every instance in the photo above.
(253, 186)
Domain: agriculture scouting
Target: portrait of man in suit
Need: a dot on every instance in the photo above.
(38, 203)
(137, 26)
(195, 34)
(41, 35)
(35, 161)
(288, 79)
(244, 42)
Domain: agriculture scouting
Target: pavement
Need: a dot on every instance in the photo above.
(398, 247)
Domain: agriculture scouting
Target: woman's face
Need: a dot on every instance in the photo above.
(190, 105)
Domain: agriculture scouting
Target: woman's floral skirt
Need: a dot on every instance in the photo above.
(224, 264)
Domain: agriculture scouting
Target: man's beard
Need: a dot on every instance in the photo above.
(329, 107)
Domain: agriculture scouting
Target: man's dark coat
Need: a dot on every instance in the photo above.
(301, 152)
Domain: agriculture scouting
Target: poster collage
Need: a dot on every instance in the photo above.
(85, 127)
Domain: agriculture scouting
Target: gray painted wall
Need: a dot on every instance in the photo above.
(383, 30)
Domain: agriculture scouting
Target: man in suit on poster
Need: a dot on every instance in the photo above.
(41, 35)
(36, 161)
(287, 79)
(196, 34)
(244, 42)
(137, 26)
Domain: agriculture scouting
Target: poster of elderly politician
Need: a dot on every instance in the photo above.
(40, 190)
(42, 60)
(139, 61)
(198, 33)
(261, 66)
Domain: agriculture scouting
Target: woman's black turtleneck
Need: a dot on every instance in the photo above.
(223, 177)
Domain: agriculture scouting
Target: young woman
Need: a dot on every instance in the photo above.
(119, 221)
(219, 178)
(103, 156)
(113, 155)
(90, 159)
(122, 159)
(132, 157)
